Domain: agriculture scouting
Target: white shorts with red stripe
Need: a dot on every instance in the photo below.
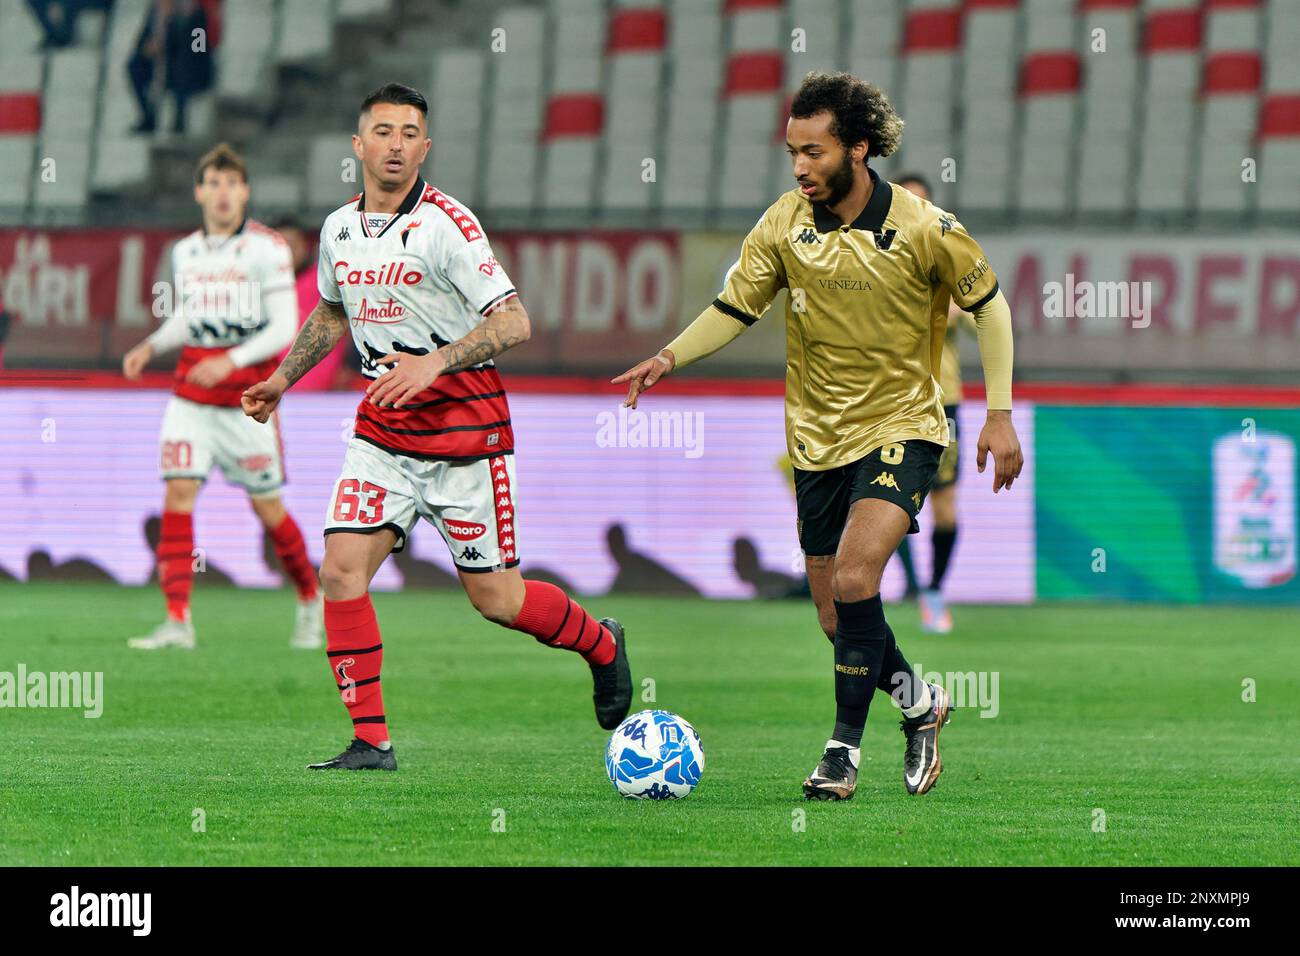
(471, 503)
(195, 437)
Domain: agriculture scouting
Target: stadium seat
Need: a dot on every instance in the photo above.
(635, 48)
(1109, 53)
(1049, 86)
(574, 118)
(987, 101)
(688, 174)
(20, 37)
(18, 160)
(1229, 118)
(1171, 44)
(1279, 162)
(306, 30)
(517, 110)
(752, 99)
(930, 57)
(243, 63)
(327, 188)
(456, 101)
(67, 130)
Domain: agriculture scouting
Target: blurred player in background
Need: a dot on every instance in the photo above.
(871, 269)
(935, 616)
(411, 272)
(233, 310)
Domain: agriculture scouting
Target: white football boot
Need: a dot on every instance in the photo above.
(309, 625)
(170, 633)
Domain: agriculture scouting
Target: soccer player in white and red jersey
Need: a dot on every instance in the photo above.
(234, 309)
(410, 270)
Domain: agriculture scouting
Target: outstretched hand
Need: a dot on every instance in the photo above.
(643, 375)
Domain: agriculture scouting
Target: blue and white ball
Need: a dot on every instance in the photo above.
(654, 755)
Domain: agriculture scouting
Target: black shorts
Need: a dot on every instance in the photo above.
(948, 461)
(901, 472)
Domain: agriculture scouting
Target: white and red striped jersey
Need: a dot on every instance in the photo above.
(413, 281)
(232, 294)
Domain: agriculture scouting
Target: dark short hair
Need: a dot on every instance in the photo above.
(918, 179)
(220, 157)
(399, 95)
(860, 110)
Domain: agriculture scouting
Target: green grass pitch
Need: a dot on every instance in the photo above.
(1135, 712)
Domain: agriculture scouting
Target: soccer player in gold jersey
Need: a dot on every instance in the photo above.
(870, 269)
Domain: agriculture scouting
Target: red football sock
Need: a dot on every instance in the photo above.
(291, 549)
(557, 621)
(176, 562)
(356, 655)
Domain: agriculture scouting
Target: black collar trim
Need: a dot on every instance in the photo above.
(872, 216)
(408, 203)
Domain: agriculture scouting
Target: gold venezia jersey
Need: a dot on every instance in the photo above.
(950, 367)
(866, 316)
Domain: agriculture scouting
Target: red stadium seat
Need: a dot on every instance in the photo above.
(1280, 117)
(1047, 73)
(1232, 73)
(636, 31)
(574, 114)
(20, 113)
(754, 73)
(1177, 31)
(932, 30)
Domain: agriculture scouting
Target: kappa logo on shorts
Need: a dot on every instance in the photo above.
(471, 554)
(886, 478)
(255, 462)
(916, 500)
(465, 530)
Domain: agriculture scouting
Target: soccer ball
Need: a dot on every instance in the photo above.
(654, 755)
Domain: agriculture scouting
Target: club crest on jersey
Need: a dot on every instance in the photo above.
(407, 229)
(388, 273)
(885, 238)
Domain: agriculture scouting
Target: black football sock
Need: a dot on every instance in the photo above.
(859, 647)
(896, 675)
(905, 555)
(943, 540)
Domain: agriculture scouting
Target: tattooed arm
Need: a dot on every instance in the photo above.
(327, 324)
(505, 327)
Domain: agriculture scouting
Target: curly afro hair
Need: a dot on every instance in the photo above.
(860, 110)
